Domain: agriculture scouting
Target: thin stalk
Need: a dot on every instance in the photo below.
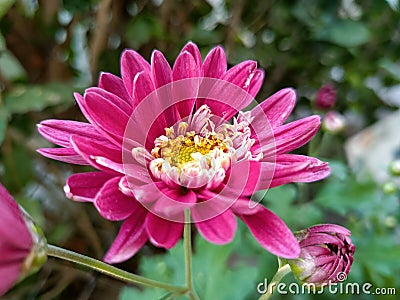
(187, 240)
(282, 272)
(109, 270)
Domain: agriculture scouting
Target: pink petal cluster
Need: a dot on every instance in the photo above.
(158, 182)
(326, 254)
(15, 241)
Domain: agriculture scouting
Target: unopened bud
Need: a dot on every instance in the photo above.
(333, 122)
(326, 254)
(23, 248)
(326, 97)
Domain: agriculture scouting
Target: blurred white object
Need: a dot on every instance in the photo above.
(371, 151)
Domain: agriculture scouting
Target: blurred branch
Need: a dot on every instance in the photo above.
(232, 29)
(99, 40)
(86, 226)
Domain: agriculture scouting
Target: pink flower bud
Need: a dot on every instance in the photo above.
(22, 245)
(326, 97)
(333, 122)
(326, 254)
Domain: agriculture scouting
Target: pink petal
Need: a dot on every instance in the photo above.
(106, 115)
(115, 85)
(171, 203)
(94, 148)
(295, 134)
(131, 64)
(271, 232)
(244, 178)
(142, 87)
(68, 155)
(122, 104)
(218, 230)
(103, 156)
(298, 168)
(85, 186)
(185, 67)
(130, 239)
(241, 74)
(276, 109)
(59, 131)
(80, 100)
(112, 204)
(9, 275)
(224, 98)
(163, 233)
(215, 63)
(12, 225)
(160, 69)
(329, 228)
(256, 82)
(194, 51)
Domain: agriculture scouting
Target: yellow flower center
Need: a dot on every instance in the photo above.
(179, 150)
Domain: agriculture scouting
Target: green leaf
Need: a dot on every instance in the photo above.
(343, 196)
(3, 123)
(24, 99)
(391, 67)
(18, 165)
(10, 67)
(218, 272)
(5, 5)
(345, 33)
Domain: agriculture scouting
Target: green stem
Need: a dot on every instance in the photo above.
(282, 272)
(187, 240)
(109, 270)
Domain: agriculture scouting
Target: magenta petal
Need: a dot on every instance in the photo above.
(80, 100)
(95, 148)
(328, 228)
(295, 134)
(59, 131)
(171, 203)
(163, 233)
(241, 74)
(115, 85)
(103, 156)
(122, 104)
(218, 230)
(194, 51)
(9, 275)
(185, 67)
(256, 82)
(298, 168)
(130, 239)
(85, 186)
(276, 109)
(215, 63)
(271, 232)
(143, 86)
(112, 204)
(131, 64)
(68, 155)
(104, 114)
(160, 69)
(12, 225)
(244, 178)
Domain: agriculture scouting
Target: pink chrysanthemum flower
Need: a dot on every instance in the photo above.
(166, 139)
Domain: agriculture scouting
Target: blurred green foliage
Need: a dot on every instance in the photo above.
(48, 49)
